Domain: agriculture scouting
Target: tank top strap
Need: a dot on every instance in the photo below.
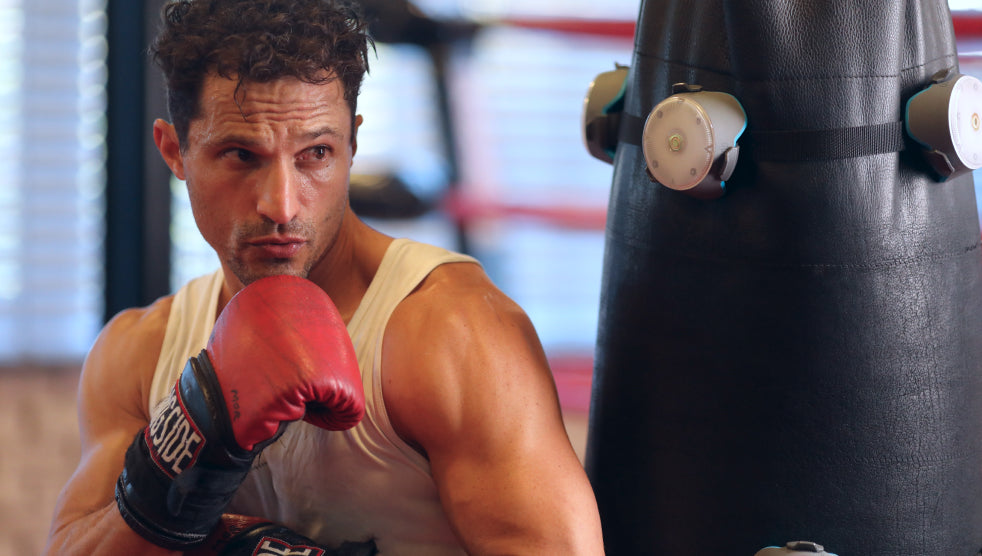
(189, 325)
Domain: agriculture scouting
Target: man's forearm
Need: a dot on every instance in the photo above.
(101, 532)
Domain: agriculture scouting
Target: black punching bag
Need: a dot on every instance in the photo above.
(801, 358)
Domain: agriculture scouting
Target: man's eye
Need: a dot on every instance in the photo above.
(239, 155)
(320, 152)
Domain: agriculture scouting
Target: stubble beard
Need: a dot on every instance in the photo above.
(250, 271)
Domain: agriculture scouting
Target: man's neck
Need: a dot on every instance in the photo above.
(350, 265)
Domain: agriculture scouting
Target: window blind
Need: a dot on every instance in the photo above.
(52, 75)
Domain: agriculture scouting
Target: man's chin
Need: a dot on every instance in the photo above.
(248, 274)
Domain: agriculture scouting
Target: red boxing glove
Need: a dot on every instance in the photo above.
(279, 352)
(271, 349)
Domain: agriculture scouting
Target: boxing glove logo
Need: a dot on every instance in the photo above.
(270, 546)
(173, 438)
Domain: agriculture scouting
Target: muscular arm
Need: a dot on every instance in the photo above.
(111, 409)
(466, 381)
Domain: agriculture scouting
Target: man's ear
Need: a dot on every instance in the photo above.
(165, 137)
(354, 136)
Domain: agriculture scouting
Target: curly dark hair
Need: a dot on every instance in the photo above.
(259, 41)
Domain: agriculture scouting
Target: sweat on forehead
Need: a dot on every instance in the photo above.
(302, 111)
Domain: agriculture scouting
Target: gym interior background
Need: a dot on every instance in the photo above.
(479, 151)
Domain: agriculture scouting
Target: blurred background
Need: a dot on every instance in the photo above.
(471, 141)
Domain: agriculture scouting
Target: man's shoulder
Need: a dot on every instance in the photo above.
(124, 356)
(455, 290)
(457, 304)
(138, 324)
(460, 277)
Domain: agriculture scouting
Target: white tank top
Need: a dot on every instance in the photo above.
(356, 485)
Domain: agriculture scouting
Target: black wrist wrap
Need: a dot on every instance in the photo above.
(183, 469)
(270, 538)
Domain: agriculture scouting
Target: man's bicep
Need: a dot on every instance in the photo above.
(533, 504)
(492, 428)
(472, 374)
(511, 482)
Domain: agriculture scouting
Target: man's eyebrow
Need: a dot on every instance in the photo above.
(234, 139)
(322, 131)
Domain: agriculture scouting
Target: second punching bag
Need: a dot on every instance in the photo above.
(801, 357)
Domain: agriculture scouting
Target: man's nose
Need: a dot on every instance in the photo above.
(279, 193)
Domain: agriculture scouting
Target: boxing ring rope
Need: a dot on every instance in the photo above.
(595, 28)
(462, 207)
(967, 25)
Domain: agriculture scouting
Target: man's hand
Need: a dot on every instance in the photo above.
(279, 352)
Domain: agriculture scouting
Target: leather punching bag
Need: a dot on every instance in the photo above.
(801, 358)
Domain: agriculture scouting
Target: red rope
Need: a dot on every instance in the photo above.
(967, 25)
(464, 208)
(573, 374)
(593, 27)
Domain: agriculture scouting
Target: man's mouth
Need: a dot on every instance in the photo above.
(278, 247)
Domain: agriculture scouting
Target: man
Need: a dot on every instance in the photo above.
(462, 446)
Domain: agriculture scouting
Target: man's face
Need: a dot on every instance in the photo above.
(268, 176)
